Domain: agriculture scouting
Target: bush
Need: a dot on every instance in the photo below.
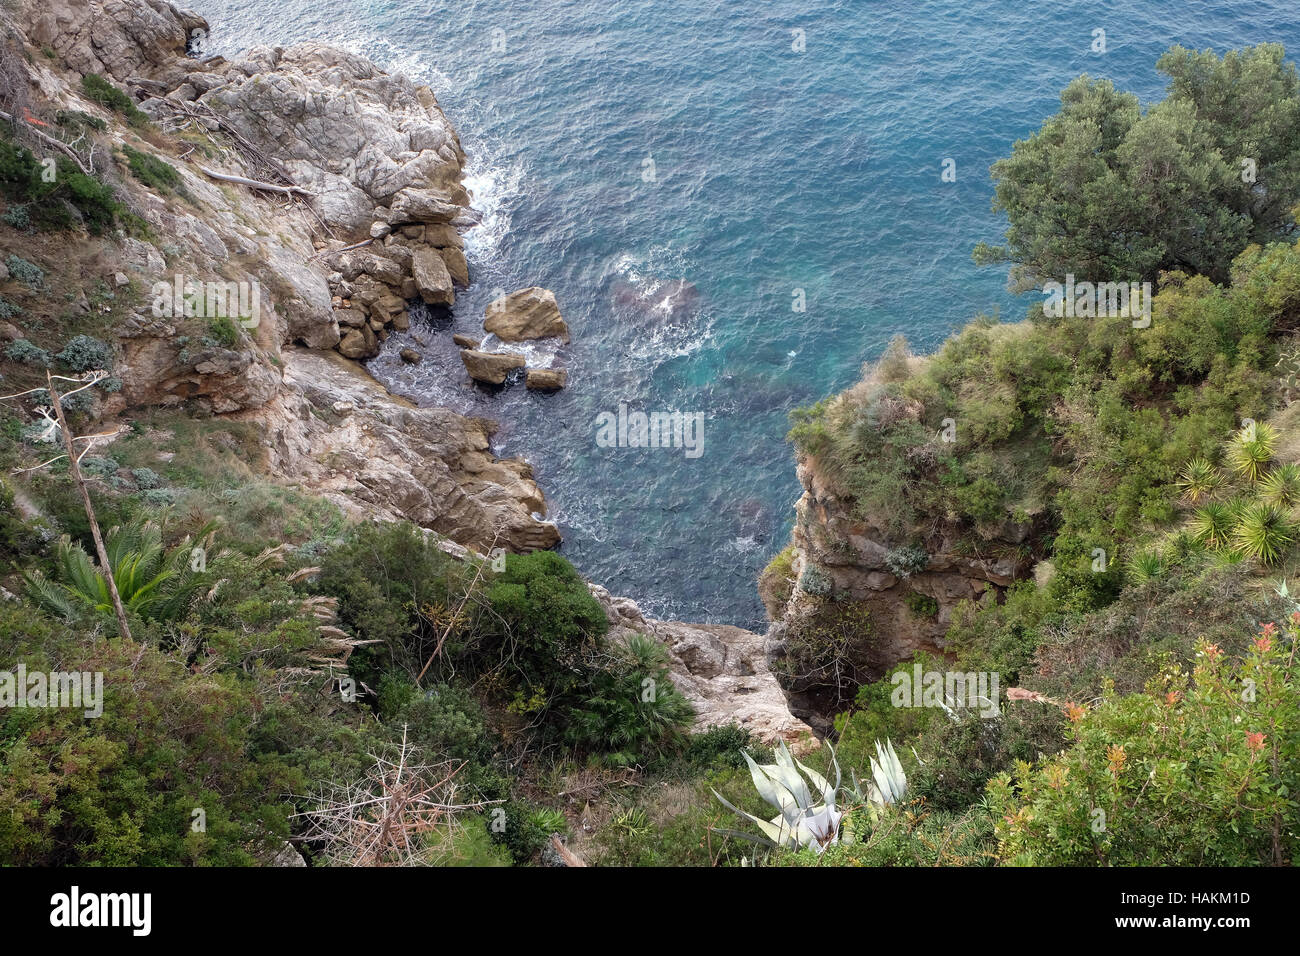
(551, 628)
(815, 581)
(21, 350)
(101, 91)
(85, 352)
(152, 171)
(29, 274)
(71, 197)
(632, 711)
(922, 605)
(17, 216)
(1194, 771)
(145, 478)
(906, 561)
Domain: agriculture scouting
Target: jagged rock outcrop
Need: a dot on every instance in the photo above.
(118, 38)
(328, 427)
(374, 152)
(723, 670)
(903, 594)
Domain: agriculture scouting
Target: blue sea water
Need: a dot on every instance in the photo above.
(775, 170)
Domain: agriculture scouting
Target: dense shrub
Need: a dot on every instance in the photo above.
(109, 96)
(1195, 771)
(84, 352)
(70, 198)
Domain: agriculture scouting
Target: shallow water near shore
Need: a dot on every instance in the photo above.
(776, 174)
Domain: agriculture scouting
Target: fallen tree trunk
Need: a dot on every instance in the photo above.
(254, 184)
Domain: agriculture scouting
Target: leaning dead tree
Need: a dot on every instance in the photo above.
(56, 426)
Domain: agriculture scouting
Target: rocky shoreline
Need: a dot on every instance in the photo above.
(335, 189)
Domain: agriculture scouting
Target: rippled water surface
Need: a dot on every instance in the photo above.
(774, 171)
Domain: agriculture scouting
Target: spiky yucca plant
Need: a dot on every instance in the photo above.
(1145, 565)
(1199, 479)
(1212, 524)
(1262, 532)
(803, 822)
(1251, 449)
(1281, 486)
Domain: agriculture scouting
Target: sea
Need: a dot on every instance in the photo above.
(737, 205)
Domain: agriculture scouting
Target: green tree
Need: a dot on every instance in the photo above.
(1106, 192)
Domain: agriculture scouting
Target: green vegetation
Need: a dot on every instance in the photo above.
(153, 172)
(110, 97)
(1107, 192)
(283, 657)
(1150, 474)
(1194, 771)
(56, 194)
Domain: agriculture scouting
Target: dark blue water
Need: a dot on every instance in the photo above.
(775, 171)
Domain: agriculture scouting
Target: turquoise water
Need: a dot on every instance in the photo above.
(775, 171)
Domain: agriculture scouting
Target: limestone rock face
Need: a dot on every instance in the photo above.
(118, 39)
(375, 455)
(156, 371)
(722, 670)
(529, 313)
(855, 562)
(328, 427)
(490, 367)
(360, 137)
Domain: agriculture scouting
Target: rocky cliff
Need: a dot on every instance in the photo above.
(333, 189)
(856, 588)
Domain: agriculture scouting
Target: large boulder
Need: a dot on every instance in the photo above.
(431, 277)
(529, 313)
(490, 367)
(546, 379)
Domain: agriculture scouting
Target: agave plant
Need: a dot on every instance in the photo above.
(1281, 486)
(1251, 449)
(888, 784)
(1199, 479)
(151, 583)
(803, 822)
(1262, 532)
(1212, 524)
